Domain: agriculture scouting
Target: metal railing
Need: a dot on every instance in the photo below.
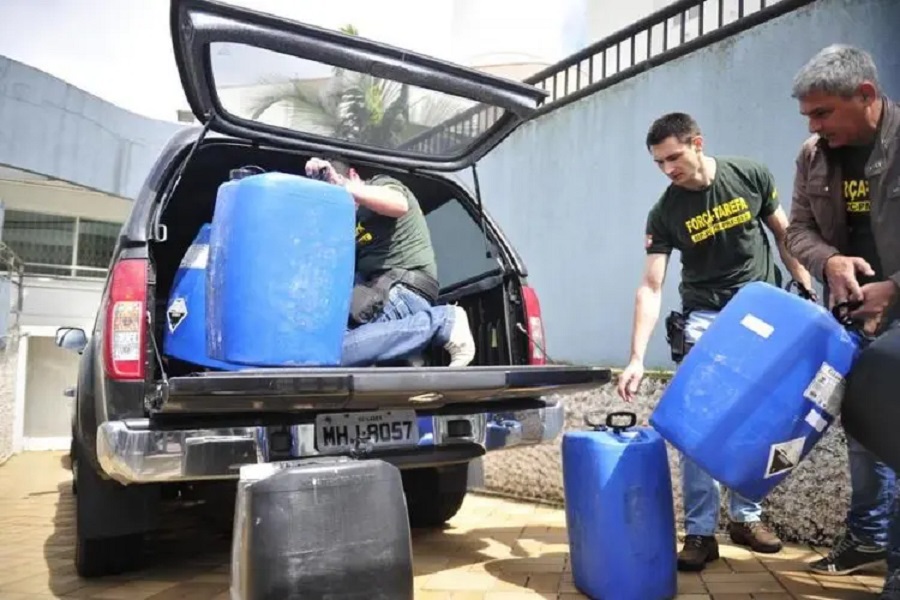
(12, 270)
(676, 30)
(58, 271)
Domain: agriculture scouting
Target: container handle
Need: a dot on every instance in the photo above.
(611, 421)
(245, 171)
(802, 291)
(841, 312)
(630, 417)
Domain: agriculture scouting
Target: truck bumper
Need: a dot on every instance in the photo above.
(129, 451)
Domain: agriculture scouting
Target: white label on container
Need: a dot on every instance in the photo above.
(784, 456)
(196, 257)
(816, 421)
(757, 326)
(826, 390)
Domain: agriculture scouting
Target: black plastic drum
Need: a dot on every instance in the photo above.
(871, 407)
(327, 529)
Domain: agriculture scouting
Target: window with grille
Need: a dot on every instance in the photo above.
(60, 246)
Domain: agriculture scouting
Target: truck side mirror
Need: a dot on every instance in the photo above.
(71, 338)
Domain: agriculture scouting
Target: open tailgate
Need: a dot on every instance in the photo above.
(318, 389)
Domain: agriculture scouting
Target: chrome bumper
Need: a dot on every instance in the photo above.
(130, 451)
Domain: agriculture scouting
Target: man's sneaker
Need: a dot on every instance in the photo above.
(461, 346)
(755, 536)
(891, 589)
(848, 556)
(697, 551)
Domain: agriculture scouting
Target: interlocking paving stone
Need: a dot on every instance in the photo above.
(494, 549)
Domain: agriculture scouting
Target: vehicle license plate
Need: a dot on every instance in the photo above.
(338, 432)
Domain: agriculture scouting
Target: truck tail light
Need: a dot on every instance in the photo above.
(534, 324)
(125, 330)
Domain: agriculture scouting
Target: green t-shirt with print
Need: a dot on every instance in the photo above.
(719, 232)
(384, 242)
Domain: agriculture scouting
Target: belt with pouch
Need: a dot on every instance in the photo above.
(369, 297)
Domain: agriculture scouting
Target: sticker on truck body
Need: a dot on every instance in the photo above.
(784, 456)
(826, 390)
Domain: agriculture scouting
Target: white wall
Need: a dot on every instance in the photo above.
(60, 302)
(58, 198)
(41, 413)
(50, 370)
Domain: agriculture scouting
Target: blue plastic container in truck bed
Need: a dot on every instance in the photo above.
(185, 330)
(282, 259)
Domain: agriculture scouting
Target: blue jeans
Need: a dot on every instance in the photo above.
(874, 514)
(702, 493)
(873, 517)
(872, 492)
(405, 327)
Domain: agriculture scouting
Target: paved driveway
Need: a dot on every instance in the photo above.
(495, 550)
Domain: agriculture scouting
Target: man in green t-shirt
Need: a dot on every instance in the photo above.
(393, 318)
(385, 241)
(713, 212)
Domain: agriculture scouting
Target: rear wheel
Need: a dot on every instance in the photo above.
(435, 494)
(110, 521)
(108, 556)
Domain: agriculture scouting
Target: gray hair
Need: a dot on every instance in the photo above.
(837, 70)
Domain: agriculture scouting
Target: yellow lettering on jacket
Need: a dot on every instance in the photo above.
(719, 218)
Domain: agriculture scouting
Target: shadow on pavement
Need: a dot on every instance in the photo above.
(186, 557)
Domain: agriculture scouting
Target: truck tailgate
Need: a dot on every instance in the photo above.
(317, 389)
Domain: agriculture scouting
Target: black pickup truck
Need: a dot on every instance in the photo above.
(146, 428)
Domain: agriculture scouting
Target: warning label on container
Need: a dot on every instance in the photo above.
(176, 313)
(784, 456)
(826, 390)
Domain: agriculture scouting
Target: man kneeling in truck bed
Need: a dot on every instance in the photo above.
(392, 315)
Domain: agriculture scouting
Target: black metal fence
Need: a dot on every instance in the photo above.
(682, 27)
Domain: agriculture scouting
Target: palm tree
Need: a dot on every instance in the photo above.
(354, 107)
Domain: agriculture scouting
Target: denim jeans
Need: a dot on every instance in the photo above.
(874, 513)
(872, 491)
(702, 493)
(405, 327)
(873, 517)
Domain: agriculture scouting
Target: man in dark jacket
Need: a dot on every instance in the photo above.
(845, 228)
